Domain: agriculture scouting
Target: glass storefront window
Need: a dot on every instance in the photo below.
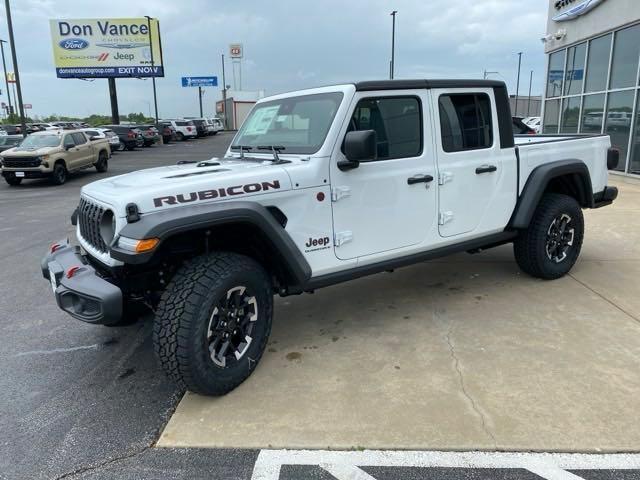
(598, 64)
(626, 50)
(551, 113)
(592, 113)
(575, 69)
(570, 115)
(618, 122)
(555, 74)
(634, 160)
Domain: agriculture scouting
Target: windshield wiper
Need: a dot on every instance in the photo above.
(275, 149)
(242, 148)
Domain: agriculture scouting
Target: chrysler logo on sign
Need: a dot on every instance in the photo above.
(576, 8)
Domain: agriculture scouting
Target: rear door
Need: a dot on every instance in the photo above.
(85, 149)
(476, 176)
(386, 204)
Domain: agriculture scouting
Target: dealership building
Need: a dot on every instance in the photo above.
(593, 70)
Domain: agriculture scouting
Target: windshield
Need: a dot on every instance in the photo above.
(300, 124)
(39, 141)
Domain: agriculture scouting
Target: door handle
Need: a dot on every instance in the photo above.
(419, 179)
(486, 169)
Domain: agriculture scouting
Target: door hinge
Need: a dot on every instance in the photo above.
(340, 192)
(341, 238)
(445, 217)
(444, 177)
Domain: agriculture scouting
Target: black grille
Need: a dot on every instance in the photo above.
(89, 218)
(21, 162)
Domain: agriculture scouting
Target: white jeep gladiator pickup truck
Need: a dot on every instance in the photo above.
(319, 187)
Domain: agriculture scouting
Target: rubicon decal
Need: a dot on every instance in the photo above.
(216, 193)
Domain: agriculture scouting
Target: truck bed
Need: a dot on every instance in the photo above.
(534, 150)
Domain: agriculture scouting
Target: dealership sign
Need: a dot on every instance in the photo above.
(199, 81)
(106, 47)
(576, 8)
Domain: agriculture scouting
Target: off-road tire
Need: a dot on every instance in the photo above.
(13, 180)
(102, 165)
(530, 247)
(186, 309)
(59, 175)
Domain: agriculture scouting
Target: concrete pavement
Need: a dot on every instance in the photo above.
(463, 353)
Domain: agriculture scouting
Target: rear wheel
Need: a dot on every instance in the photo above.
(131, 146)
(549, 248)
(59, 175)
(12, 180)
(180, 136)
(102, 164)
(213, 322)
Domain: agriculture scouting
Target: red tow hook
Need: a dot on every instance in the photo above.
(72, 271)
(54, 247)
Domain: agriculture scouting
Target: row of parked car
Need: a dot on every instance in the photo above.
(54, 152)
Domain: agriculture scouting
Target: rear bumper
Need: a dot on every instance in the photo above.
(605, 197)
(85, 296)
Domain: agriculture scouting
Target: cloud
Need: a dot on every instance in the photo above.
(288, 44)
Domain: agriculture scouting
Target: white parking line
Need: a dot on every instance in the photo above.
(344, 465)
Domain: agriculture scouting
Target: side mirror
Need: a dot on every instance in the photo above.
(68, 147)
(359, 146)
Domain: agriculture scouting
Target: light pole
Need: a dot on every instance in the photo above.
(14, 57)
(393, 44)
(487, 73)
(224, 96)
(518, 83)
(155, 98)
(529, 102)
(6, 80)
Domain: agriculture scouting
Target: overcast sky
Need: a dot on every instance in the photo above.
(288, 44)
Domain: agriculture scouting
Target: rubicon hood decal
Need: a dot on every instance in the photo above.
(216, 193)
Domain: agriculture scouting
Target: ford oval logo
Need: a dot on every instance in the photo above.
(74, 44)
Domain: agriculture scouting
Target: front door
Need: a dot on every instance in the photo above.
(73, 155)
(386, 204)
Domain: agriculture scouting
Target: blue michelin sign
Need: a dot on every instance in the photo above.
(199, 81)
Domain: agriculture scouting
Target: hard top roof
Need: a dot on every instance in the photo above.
(425, 83)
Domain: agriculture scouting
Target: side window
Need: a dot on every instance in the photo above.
(68, 141)
(79, 138)
(397, 122)
(465, 122)
(90, 133)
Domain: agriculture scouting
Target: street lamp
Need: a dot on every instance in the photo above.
(515, 114)
(6, 80)
(155, 98)
(14, 57)
(393, 44)
(487, 73)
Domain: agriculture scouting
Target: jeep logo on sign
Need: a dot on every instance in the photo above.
(73, 44)
(215, 193)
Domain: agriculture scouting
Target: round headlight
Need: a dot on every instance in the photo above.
(108, 226)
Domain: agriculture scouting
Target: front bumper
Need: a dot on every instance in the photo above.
(85, 296)
(605, 197)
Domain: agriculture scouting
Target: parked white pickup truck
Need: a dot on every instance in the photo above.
(319, 187)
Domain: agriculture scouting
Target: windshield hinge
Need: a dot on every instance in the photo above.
(341, 238)
(340, 192)
(445, 217)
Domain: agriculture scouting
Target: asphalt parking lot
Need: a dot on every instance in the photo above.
(460, 354)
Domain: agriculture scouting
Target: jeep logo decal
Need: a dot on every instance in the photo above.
(314, 244)
(216, 193)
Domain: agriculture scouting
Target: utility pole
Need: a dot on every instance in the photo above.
(393, 44)
(224, 96)
(113, 95)
(518, 83)
(6, 80)
(529, 102)
(155, 97)
(200, 100)
(14, 57)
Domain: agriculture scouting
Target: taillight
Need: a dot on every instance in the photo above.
(188, 129)
(131, 134)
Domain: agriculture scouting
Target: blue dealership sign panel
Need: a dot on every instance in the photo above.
(118, 72)
(199, 81)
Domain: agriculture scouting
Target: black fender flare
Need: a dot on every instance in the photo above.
(538, 181)
(172, 221)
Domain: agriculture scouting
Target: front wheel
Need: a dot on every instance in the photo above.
(549, 248)
(59, 175)
(213, 321)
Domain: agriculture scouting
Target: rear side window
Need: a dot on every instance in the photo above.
(465, 122)
(397, 122)
(79, 138)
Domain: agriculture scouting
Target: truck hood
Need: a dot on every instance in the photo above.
(173, 186)
(23, 152)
